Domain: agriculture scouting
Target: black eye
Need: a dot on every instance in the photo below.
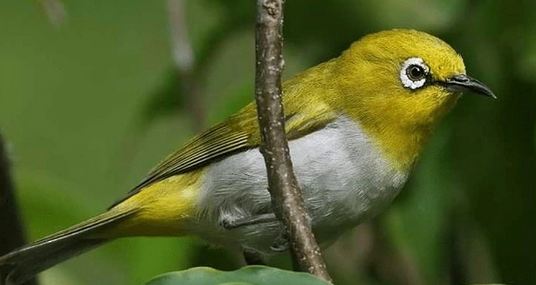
(415, 72)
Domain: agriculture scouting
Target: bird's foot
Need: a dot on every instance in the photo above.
(230, 224)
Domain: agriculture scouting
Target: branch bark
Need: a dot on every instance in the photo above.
(286, 196)
(13, 235)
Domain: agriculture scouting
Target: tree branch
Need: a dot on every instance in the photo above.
(10, 222)
(283, 186)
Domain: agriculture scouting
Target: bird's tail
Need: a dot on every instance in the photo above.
(24, 263)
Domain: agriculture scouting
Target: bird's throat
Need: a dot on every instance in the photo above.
(400, 129)
(400, 146)
(401, 141)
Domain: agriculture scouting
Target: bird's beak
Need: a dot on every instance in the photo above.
(462, 82)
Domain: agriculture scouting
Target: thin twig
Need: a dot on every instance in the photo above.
(11, 227)
(286, 195)
(180, 45)
(55, 11)
(185, 64)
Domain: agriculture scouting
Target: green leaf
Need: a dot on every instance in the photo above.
(249, 275)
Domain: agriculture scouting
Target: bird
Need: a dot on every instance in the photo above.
(355, 125)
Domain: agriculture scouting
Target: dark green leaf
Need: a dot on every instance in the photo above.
(249, 275)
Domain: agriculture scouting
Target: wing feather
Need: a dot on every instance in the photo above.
(238, 133)
(211, 144)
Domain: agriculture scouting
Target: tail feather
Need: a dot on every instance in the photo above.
(21, 267)
(22, 264)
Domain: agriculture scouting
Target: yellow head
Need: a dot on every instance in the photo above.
(397, 84)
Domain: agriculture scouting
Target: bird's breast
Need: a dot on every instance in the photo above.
(343, 175)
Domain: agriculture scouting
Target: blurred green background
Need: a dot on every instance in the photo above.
(91, 99)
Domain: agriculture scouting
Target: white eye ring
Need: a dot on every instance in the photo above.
(406, 80)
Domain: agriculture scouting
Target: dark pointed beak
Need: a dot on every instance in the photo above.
(462, 83)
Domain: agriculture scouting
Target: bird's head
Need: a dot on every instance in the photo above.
(398, 83)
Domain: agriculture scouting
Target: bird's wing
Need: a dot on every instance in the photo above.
(238, 133)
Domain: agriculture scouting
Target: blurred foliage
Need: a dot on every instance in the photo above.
(73, 98)
(248, 275)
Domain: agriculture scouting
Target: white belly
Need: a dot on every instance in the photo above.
(343, 176)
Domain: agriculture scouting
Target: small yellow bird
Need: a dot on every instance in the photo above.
(355, 124)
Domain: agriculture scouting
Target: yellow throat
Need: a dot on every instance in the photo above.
(365, 84)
